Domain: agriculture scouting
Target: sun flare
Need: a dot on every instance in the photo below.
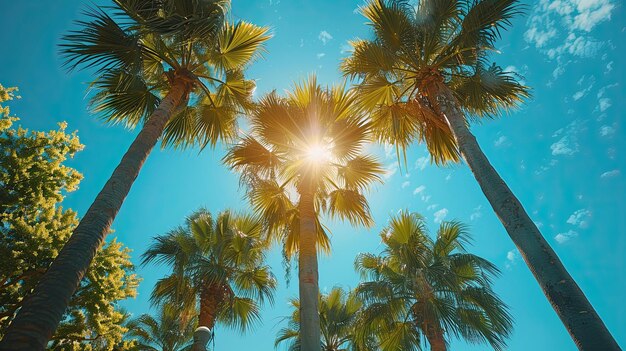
(318, 153)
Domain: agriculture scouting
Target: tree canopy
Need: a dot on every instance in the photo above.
(34, 226)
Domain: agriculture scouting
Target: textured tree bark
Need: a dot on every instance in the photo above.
(41, 313)
(570, 303)
(310, 336)
(435, 338)
(210, 299)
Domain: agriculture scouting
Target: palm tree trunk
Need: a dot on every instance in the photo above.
(310, 336)
(435, 338)
(571, 305)
(209, 302)
(40, 315)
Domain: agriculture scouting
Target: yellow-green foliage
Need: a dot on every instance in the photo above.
(34, 227)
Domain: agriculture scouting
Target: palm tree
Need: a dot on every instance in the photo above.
(166, 332)
(424, 289)
(174, 66)
(339, 312)
(217, 265)
(426, 75)
(307, 144)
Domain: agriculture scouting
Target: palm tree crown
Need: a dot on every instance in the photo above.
(166, 332)
(217, 264)
(425, 74)
(419, 289)
(141, 48)
(339, 312)
(416, 48)
(310, 142)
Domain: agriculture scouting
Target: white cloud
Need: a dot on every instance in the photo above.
(440, 215)
(610, 174)
(389, 151)
(604, 104)
(607, 131)
(345, 48)
(587, 83)
(502, 141)
(564, 146)
(476, 214)
(567, 144)
(432, 207)
(390, 170)
(591, 13)
(320, 55)
(511, 255)
(421, 163)
(511, 258)
(562, 238)
(419, 189)
(325, 37)
(561, 28)
(580, 218)
(405, 184)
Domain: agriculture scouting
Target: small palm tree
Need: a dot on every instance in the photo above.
(426, 74)
(434, 290)
(176, 68)
(217, 268)
(307, 144)
(339, 312)
(166, 332)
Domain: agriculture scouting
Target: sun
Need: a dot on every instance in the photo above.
(318, 153)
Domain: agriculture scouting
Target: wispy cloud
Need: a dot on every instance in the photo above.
(345, 48)
(561, 28)
(440, 215)
(419, 189)
(511, 258)
(421, 163)
(405, 184)
(562, 238)
(607, 131)
(325, 37)
(502, 141)
(610, 174)
(580, 218)
(477, 213)
(390, 170)
(567, 144)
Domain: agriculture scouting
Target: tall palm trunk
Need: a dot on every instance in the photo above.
(310, 335)
(41, 313)
(209, 302)
(434, 335)
(576, 312)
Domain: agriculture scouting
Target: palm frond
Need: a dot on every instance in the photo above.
(489, 91)
(100, 43)
(239, 44)
(351, 205)
(360, 172)
(123, 98)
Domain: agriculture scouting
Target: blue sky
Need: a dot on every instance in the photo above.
(562, 153)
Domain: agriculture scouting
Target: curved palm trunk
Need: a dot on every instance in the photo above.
(209, 302)
(310, 336)
(41, 313)
(576, 312)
